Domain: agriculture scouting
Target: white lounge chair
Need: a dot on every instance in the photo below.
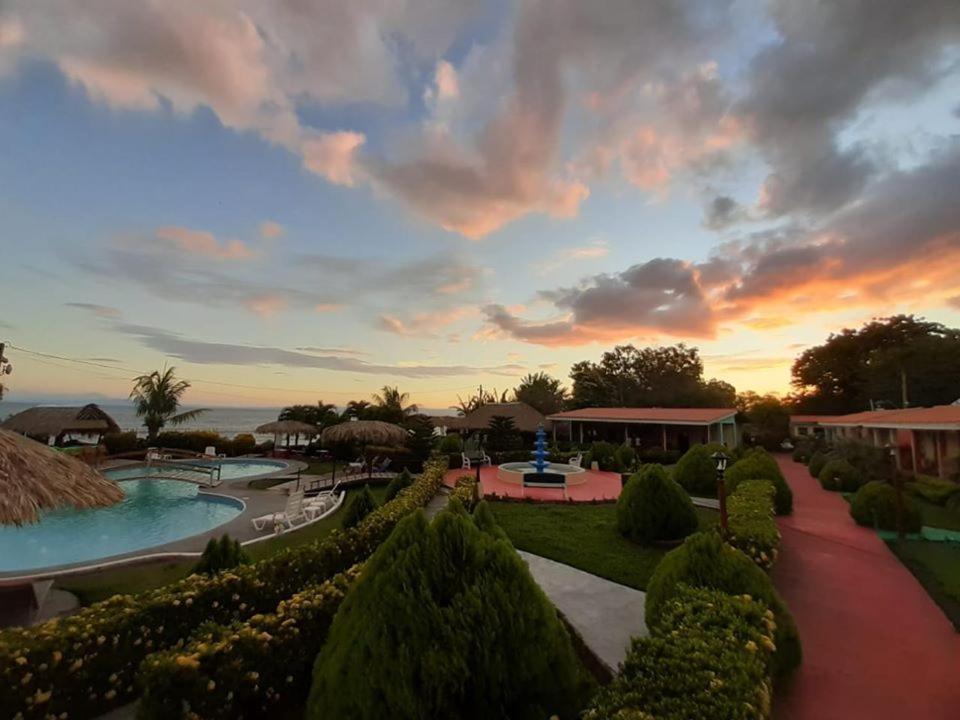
(293, 514)
(576, 460)
(468, 464)
(322, 504)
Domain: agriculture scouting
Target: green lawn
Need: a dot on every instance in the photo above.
(937, 566)
(97, 586)
(584, 536)
(937, 515)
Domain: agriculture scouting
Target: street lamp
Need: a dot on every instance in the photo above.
(720, 461)
(898, 490)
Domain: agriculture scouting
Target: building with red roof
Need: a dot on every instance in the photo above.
(666, 428)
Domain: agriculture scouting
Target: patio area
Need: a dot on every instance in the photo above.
(598, 486)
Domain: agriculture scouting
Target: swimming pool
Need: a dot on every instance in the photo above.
(230, 469)
(153, 512)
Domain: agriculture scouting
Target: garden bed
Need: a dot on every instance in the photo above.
(936, 565)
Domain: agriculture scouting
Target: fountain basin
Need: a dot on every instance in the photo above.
(514, 472)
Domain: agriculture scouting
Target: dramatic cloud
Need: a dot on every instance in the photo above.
(333, 155)
(204, 244)
(205, 353)
(423, 324)
(722, 212)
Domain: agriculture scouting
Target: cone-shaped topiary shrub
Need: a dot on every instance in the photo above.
(758, 464)
(398, 483)
(653, 507)
(626, 458)
(817, 461)
(361, 505)
(696, 472)
(445, 622)
(875, 505)
(220, 555)
(706, 561)
(840, 475)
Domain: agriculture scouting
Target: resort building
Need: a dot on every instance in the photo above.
(807, 425)
(667, 428)
(925, 440)
(56, 425)
(526, 418)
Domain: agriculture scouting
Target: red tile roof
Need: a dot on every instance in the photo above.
(946, 415)
(806, 419)
(669, 416)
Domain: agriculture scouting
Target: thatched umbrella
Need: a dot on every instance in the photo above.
(35, 478)
(288, 428)
(365, 432)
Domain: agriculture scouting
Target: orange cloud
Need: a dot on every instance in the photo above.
(198, 242)
(333, 155)
(270, 229)
(265, 306)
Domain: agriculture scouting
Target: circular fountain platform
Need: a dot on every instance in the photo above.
(514, 472)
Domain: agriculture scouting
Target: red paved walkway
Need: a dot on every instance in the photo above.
(598, 486)
(875, 645)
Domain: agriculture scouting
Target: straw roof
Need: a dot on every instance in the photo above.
(287, 427)
(35, 478)
(526, 418)
(371, 432)
(54, 421)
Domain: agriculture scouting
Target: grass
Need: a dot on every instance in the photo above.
(100, 585)
(936, 565)
(937, 515)
(584, 536)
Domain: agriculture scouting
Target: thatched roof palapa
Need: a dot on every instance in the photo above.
(55, 421)
(34, 478)
(525, 417)
(287, 427)
(368, 432)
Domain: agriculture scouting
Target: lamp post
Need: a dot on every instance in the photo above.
(898, 491)
(720, 460)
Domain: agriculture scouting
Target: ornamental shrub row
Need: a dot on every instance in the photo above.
(752, 528)
(708, 656)
(653, 508)
(86, 664)
(839, 475)
(257, 668)
(465, 490)
(696, 472)
(758, 464)
(875, 505)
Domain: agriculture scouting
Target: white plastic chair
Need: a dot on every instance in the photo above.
(293, 514)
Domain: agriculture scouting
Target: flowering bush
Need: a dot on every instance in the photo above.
(465, 491)
(252, 669)
(758, 464)
(86, 664)
(707, 657)
(752, 528)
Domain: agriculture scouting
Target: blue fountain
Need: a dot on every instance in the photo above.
(540, 452)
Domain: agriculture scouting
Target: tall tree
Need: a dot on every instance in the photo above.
(542, 392)
(857, 368)
(391, 404)
(156, 398)
(627, 376)
(359, 409)
(478, 400)
(767, 418)
(502, 434)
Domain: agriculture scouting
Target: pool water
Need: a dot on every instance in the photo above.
(153, 512)
(229, 469)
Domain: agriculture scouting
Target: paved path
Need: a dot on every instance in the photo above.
(605, 614)
(875, 645)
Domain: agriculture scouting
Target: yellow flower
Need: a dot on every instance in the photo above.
(110, 694)
(41, 697)
(211, 685)
(26, 678)
(751, 646)
(187, 661)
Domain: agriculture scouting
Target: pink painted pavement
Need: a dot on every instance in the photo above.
(875, 645)
(598, 486)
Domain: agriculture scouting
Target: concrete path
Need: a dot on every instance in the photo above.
(605, 614)
(874, 644)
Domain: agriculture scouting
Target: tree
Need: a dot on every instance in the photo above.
(855, 369)
(541, 392)
(420, 441)
(627, 376)
(156, 398)
(502, 434)
(359, 409)
(320, 415)
(391, 405)
(766, 416)
(478, 400)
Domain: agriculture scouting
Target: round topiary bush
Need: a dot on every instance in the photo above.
(696, 472)
(445, 621)
(652, 507)
(706, 561)
(361, 505)
(626, 458)
(451, 444)
(758, 464)
(875, 505)
(605, 455)
(801, 453)
(840, 475)
(817, 461)
(398, 483)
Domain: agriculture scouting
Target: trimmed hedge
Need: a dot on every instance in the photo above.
(750, 518)
(652, 507)
(465, 490)
(875, 505)
(758, 464)
(817, 461)
(398, 483)
(259, 668)
(840, 475)
(696, 472)
(445, 621)
(706, 561)
(933, 489)
(85, 664)
(708, 656)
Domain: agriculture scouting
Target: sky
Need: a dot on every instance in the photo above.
(304, 200)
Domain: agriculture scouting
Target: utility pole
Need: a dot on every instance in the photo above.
(903, 388)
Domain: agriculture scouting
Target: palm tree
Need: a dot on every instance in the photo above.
(156, 398)
(355, 409)
(390, 404)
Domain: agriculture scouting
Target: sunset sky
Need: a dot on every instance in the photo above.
(300, 200)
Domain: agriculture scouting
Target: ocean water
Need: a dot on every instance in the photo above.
(226, 421)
